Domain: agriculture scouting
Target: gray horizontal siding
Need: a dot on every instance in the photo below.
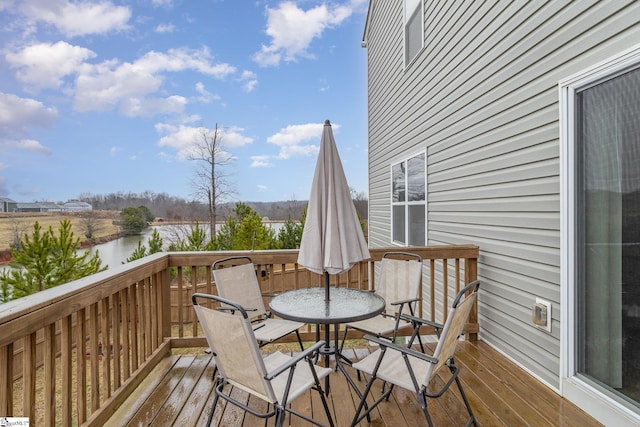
(482, 98)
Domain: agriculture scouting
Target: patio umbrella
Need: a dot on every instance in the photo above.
(332, 239)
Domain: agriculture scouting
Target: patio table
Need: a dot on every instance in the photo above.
(345, 305)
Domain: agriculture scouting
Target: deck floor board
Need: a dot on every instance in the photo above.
(180, 393)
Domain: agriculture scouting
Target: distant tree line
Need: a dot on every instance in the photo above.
(172, 208)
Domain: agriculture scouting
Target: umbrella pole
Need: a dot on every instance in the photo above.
(327, 337)
(326, 287)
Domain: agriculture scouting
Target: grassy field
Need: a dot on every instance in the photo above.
(22, 222)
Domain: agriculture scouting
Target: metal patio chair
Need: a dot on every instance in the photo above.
(412, 370)
(275, 378)
(236, 280)
(399, 285)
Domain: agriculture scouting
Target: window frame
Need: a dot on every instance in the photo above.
(406, 203)
(576, 387)
(409, 11)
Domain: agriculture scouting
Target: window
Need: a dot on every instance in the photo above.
(602, 240)
(408, 201)
(413, 32)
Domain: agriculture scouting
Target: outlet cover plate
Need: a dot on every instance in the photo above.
(541, 315)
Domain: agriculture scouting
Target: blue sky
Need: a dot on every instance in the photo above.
(104, 96)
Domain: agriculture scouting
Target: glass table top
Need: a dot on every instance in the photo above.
(309, 305)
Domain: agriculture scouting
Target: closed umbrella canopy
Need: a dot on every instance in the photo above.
(332, 239)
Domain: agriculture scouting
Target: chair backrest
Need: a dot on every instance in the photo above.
(234, 346)
(239, 283)
(453, 327)
(399, 278)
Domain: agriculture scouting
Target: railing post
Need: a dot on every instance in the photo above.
(166, 303)
(471, 274)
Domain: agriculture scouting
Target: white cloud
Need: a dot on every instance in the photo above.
(115, 150)
(18, 116)
(205, 96)
(25, 144)
(291, 139)
(184, 139)
(112, 84)
(149, 107)
(78, 18)
(165, 3)
(45, 64)
(262, 188)
(260, 161)
(232, 137)
(165, 28)
(250, 80)
(292, 30)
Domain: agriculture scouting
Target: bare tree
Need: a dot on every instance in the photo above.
(18, 229)
(210, 181)
(361, 202)
(90, 224)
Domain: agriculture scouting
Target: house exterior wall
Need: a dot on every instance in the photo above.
(482, 99)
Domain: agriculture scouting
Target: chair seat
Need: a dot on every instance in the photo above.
(271, 329)
(379, 325)
(302, 376)
(393, 368)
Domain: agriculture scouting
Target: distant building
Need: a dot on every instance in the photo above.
(38, 207)
(8, 205)
(76, 206)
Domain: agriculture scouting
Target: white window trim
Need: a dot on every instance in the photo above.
(407, 202)
(599, 405)
(405, 17)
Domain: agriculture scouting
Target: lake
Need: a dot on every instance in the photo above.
(116, 252)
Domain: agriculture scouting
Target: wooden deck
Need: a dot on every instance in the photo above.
(179, 392)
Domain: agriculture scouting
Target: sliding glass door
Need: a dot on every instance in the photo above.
(607, 234)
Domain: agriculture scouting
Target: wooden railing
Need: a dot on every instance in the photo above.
(72, 354)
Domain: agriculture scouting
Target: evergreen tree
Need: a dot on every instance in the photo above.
(155, 242)
(139, 252)
(245, 230)
(253, 234)
(133, 220)
(44, 260)
(225, 235)
(146, 213)
(290, 235)
(197, 240)
(155, 245)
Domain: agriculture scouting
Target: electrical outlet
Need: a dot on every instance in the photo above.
(541, 314)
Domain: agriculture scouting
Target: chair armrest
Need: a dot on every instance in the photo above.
(405, 350)
(295, 359)
(405, 301)
(422, 321)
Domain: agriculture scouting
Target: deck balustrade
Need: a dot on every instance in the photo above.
(72, 354)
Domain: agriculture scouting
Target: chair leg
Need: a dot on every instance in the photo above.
(215, 371)
(280, 416)
(299, 340)
(344, 338)
(420, 342)
(213, 406)
(422, 401)
(466, 402)
(324, 403)
(363, 400)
